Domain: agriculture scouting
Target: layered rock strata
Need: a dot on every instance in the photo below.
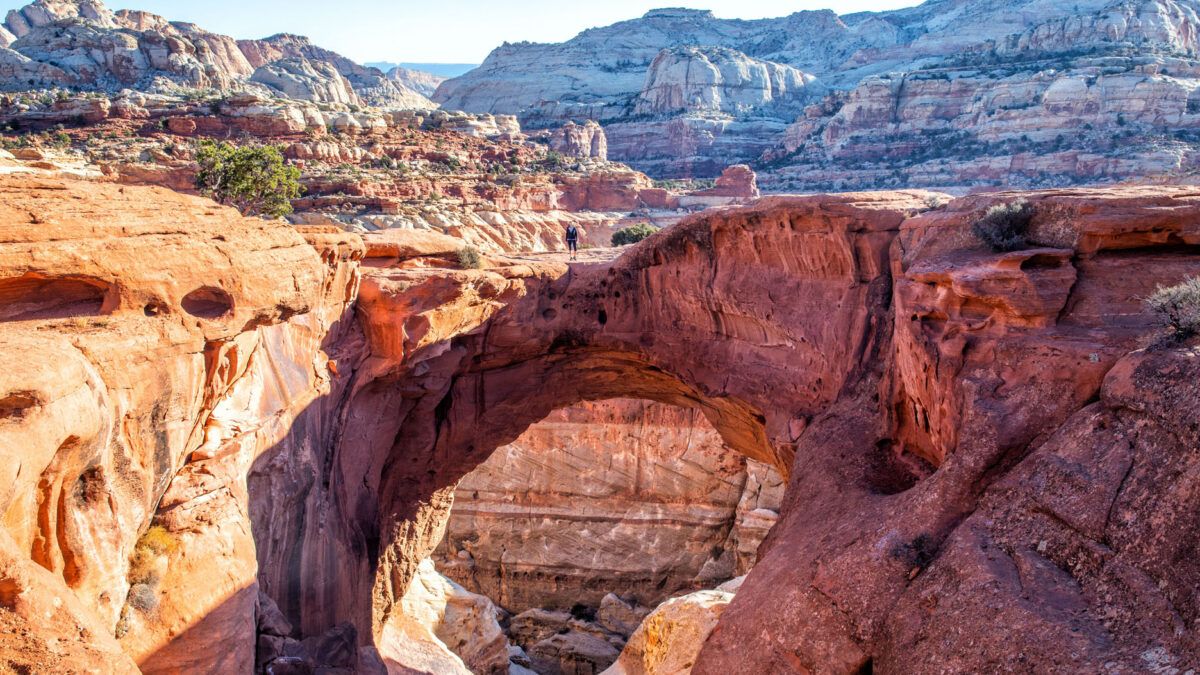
(945, 94)
(623, 497)
(972, 441)
(84, 45)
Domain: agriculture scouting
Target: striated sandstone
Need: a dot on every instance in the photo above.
(624, 497)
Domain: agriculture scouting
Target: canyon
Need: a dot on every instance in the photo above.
(230, 439)
(400, 430)
(948, 94)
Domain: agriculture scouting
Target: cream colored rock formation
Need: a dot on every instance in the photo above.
(669, 641)
(992, 93)
(625, 497)
(84, 45)
(442, 628)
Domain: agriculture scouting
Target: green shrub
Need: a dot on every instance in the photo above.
(633, 234)
(1178, 307)
(469, 258)
(255, 179)
(1004, 226)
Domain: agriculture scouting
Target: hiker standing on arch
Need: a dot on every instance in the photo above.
(573, 241)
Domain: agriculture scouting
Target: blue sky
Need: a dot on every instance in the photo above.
(448, 31)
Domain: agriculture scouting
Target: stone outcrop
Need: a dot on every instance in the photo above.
(624, 497)
(669, 640)
(200, 408)
(737, 184)
(719, 80)
(417, 80)
(85, 46)
(370, 84)
(149, 365)
(944, 94)
(442, 628)
(586, 140)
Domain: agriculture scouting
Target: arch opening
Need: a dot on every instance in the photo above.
(584, 524)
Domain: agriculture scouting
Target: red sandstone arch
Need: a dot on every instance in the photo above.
(759, 324)
(911, 381)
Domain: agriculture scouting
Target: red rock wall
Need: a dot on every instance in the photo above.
(973, 441)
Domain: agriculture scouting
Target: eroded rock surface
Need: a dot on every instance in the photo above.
(200, 408)
(945, 94)
(624, 497)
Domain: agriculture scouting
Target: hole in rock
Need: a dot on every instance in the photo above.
(35, 297)
(596, 515)
(1042, 262)
(16, 404)
(602, 317)
(208, 303)
(894, 469)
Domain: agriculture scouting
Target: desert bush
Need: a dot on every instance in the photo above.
(255, 179)
(1178, 307)
(1004, 226)
(469, 258)
(632, 234)
(158, 540)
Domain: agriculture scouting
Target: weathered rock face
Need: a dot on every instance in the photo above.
(83, 45)
(417, 80)
(972, 440)
(738, 184)
(442, 628)
(670, 639)
(719, 80)
(585, 140)
(944, 94)
(148, 365)
(305, 80)
(370, 84)
(624, 497)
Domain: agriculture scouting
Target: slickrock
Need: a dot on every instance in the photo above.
(210, 418)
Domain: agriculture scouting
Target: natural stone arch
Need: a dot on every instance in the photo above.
(760, 318)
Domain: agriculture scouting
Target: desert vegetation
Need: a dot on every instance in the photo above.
(1004, 227)
(1178, 308)
(254, 179)
(632, 234)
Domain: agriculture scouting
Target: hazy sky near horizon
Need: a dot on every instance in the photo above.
(449, 31)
